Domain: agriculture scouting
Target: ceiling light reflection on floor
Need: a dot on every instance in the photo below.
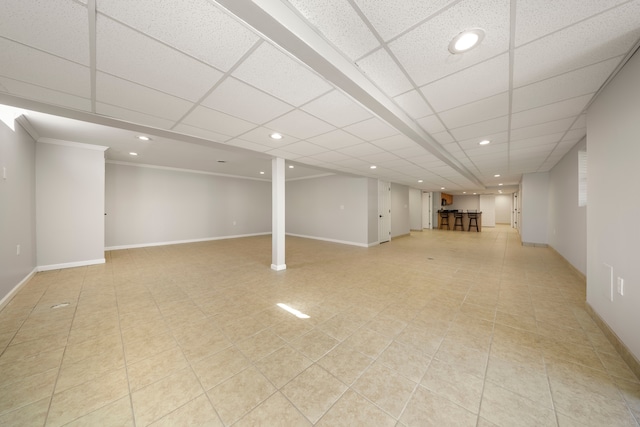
(293, 311)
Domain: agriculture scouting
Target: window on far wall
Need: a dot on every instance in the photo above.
(582, 178)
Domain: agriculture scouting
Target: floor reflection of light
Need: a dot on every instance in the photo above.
(293, 311)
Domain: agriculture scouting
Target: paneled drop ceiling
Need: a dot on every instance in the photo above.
(349, 83)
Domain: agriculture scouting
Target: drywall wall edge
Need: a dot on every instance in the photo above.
(617, 343)
(9, 296)
(180, 242)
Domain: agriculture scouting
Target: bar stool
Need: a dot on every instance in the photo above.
(473, 218)
(444, 219)
(458, 221)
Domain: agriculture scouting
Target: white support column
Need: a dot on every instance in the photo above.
(277, 215)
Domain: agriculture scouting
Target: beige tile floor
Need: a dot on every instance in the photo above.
(439, 328)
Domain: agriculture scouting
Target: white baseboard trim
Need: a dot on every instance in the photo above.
(8, 297)
(343, 242)
(71, 264)
(179, 242)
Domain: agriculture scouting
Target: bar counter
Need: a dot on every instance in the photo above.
(465, 220)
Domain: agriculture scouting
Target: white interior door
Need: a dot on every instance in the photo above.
(384, 211)
(427, 207)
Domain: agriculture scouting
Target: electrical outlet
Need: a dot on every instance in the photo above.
(621, 286)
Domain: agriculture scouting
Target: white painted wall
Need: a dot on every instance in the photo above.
(372, 211)
(70, 204)
(149, 206)
(334, 208)
(613, 205)
(488, 209)
(17, 207)
(400, 223)
(568, 221)
(415, 209)
(464, 203)
(534, 208)
(503, 208)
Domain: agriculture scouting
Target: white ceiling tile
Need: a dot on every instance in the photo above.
(395, 142)
(38, 93)
(568, 108)
(575, 134)
(328, 157)
(59, 27)
(538, 140)
(392, 17)
(385, 73)
(276, 73)
(410, 152)
(201, 133)
(206, 118)
(487, 150)
(481, 81)
(547, 128)
(122, 93)
(195, 27)
(249, 145)
(241, 100)
(304, 148)
(570, 85)
(160, 67)
(337, 109)
(361, 150)
(299, 124)
(335, 139)
(277, 152)
(413, 104)
(379, 158)
(432, 38)
(536, 18)
(355, 164)
(340, 24)
(485, 109)
(431, 124)
(581, 122)
(605, 36)
(453, 148)
(260, 135)
(33, 66)
(495, 138)
(443, 137)
(371, 129)
(533, 150)
(481, 130)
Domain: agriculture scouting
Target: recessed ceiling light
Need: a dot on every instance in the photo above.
(261, 172)
(475, 193)
(464, 192)
(484, 142)
(133, 154)
(442, 188)
(420, 180)
(290, 166)
(143, 138)
(275, 135)
(372, 167)
(500, 184)
(466, 40)
(496, 175)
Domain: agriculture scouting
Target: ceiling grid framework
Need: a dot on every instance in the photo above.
(349, 83)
